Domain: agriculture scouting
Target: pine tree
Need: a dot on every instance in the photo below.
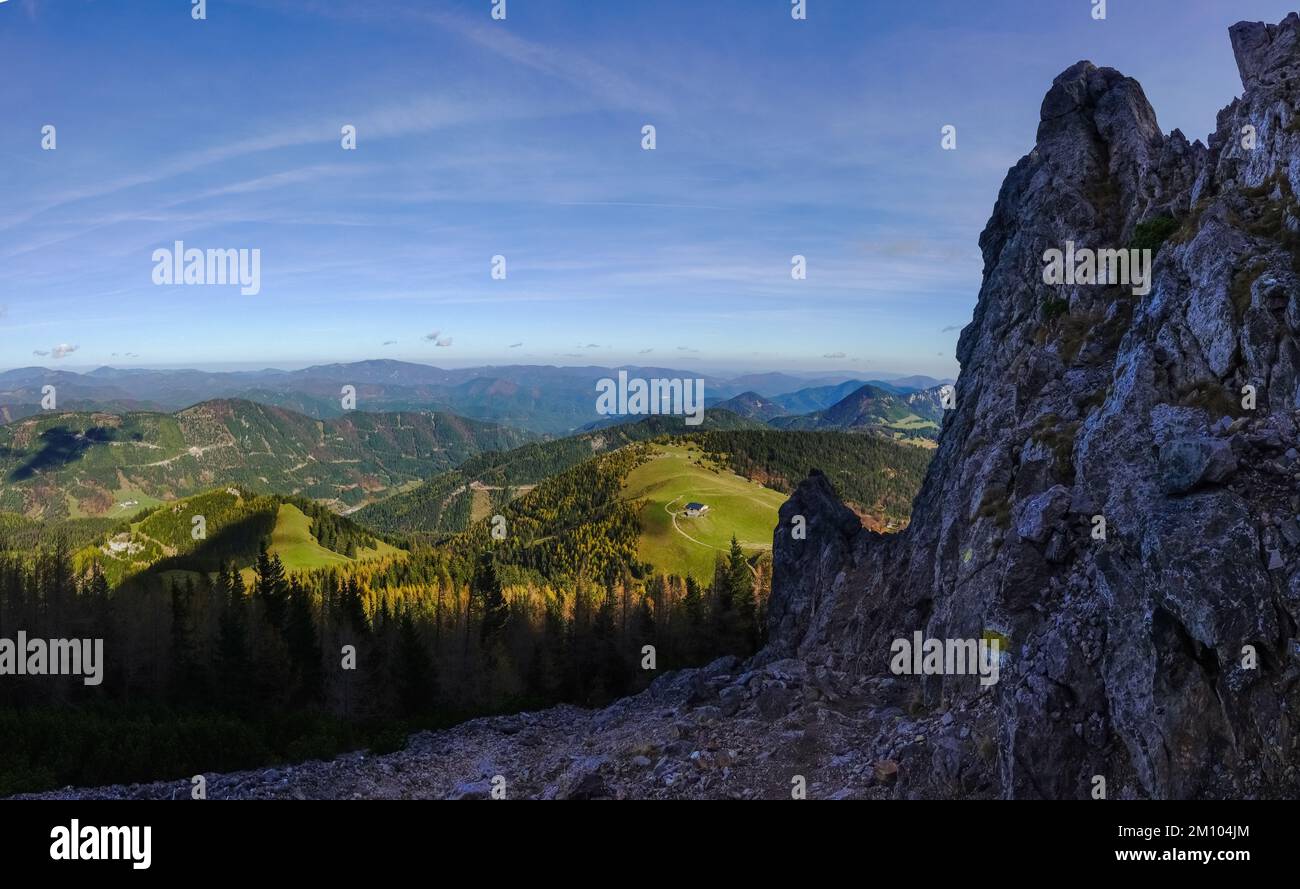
(272, 589)
(232, 642)
(304, 646)
(487, 587)
(610, 668)
(740, 585)
(354, 609)
(415, 673)
(186, 679)
(693, 608)
(646, 630)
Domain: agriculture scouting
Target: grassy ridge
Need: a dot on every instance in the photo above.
(236, 522)
(876, 475)
(675, 475)
(446, 503)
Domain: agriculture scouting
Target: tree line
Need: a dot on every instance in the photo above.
(260, 664)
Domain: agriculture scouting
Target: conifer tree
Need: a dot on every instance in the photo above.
(740, 583)
(272, 589)
(415, 672)
(486, 587)
(304, 646)
(232, 642)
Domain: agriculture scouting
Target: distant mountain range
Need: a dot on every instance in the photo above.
(907, 415)
(109, 452)
(59, 465)
(753, 406)
(884, 409)
(542, 399)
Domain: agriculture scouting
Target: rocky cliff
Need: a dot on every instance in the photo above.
(1163, 655)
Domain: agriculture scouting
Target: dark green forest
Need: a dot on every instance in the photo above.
(217, 658)
(207, 671)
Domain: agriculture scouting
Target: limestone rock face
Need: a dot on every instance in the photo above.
(1162, 653)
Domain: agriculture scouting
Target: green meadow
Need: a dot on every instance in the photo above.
(678, 474)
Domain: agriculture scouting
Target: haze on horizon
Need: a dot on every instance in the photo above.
(522, 138)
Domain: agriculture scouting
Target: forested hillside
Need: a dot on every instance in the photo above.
(445, 504)
(878, 477)
(284, 631)
(235, 668)
(68, 465)
(201, 534)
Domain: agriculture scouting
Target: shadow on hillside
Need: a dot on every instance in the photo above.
(60, 447)
(236, 543)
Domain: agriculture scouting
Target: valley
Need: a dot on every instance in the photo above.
(226, 549)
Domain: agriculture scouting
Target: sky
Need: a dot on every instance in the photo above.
(523, 138)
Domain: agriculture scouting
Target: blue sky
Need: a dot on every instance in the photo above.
(523, 138)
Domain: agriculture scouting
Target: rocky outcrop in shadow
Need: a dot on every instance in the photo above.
(1162, 656)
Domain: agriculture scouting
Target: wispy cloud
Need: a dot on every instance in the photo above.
(420, 114)
(62, 350)
(564, 62)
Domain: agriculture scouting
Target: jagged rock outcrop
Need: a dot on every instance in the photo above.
(1163, 657)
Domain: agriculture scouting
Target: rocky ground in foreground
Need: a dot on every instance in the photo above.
(720, 732)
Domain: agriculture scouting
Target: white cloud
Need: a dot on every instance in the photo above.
(62, 350)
